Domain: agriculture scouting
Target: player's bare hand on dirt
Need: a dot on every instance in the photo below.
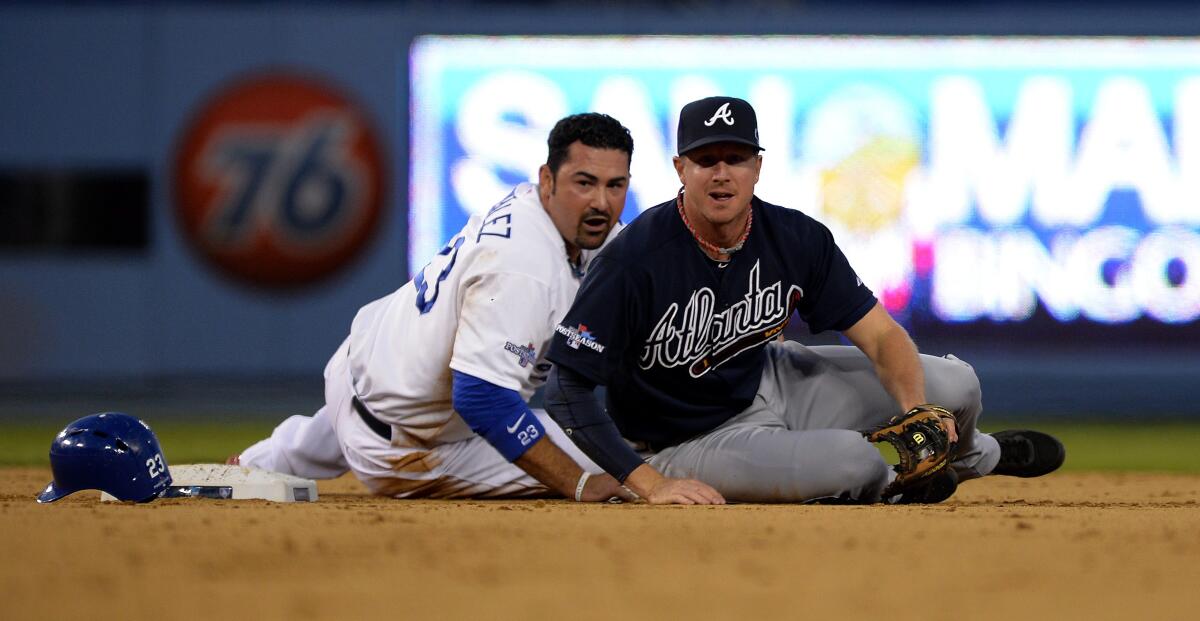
(601, 487)
(684, 492)
(659, 490)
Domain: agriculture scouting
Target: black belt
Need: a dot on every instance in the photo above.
(379, 427)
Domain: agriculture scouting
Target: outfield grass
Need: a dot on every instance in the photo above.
(183, 442)
(1142, 447)
(1091, 446)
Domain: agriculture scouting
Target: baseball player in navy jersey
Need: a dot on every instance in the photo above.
(427, 396)
(680, 318)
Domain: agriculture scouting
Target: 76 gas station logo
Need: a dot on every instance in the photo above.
(278, 181)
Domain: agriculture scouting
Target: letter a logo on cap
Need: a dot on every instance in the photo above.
(723, 114)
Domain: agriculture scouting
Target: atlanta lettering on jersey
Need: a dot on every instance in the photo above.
(705, 339)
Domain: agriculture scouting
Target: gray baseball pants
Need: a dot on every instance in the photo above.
(800, 440)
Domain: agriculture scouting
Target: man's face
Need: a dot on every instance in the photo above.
(718, 179)
(585, 199)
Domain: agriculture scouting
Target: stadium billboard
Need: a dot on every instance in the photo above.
(975, 183)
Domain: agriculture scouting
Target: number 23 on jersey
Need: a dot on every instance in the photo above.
(495, 224)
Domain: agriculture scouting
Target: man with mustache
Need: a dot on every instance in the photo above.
(427, 396)
(680, 319)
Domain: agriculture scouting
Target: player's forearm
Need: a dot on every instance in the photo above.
(894, 355)
(898, 366)
(551, 466)
(571, 402)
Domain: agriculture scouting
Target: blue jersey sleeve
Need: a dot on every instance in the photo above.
(496, 413)
(593, 336)
(836, 297)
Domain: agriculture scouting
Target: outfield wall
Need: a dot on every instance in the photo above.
(1032, 201)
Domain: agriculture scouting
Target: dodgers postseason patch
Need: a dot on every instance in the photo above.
(579, 336)
(526, 354)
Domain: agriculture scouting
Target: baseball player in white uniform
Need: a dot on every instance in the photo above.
(427, 397)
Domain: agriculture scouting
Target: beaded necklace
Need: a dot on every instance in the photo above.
(704, 243)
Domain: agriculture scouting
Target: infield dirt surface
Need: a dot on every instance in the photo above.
(1067, 546)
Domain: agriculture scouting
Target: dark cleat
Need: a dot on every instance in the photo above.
(937, 489)
(1026, 453)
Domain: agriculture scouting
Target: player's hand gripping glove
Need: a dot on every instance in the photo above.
(919, 437)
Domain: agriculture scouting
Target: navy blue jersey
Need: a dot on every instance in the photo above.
(678, 340)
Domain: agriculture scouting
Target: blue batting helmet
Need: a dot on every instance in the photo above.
(111, 452)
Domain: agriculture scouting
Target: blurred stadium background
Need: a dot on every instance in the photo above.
(196, 197)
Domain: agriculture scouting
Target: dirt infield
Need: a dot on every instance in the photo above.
(1096, 546)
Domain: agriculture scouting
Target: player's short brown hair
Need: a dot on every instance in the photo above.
(593, 129)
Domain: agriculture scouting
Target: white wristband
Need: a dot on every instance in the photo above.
(579, 486)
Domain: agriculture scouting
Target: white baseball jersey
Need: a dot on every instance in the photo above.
(486, 306)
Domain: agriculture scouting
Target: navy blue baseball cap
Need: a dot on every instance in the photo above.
(717, 119)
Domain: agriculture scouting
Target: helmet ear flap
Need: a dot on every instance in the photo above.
(111, 452)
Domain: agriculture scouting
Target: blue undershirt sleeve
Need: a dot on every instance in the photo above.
(496, 413)
(571, 402)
